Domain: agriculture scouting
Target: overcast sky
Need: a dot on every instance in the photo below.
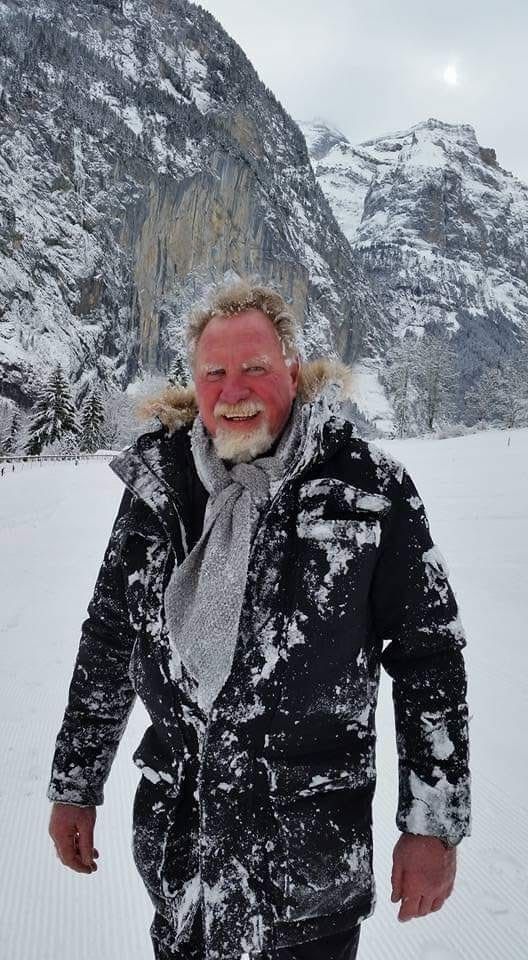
(375, 66)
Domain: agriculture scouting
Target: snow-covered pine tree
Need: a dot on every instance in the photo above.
(53, 415)
(15, 432)
(66, 446)
(6, 421)
(398, 376)
(92, 422)
(179, 372)
(5, 447)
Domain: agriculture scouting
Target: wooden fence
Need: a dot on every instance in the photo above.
(11, 464)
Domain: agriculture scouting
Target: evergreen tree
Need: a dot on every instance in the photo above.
(16, 428)
(179, 371)
(10, 434)
(6, 418)
(92, 422)
(54, 414)
(66, 446)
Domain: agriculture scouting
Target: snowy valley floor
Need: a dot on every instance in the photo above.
(55, 520)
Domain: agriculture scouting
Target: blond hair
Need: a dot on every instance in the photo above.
(231, 298)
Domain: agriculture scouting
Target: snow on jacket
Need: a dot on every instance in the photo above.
(275, 813)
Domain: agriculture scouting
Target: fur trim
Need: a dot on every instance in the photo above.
(176, 406)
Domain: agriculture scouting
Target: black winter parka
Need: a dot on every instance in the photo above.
(276, 814)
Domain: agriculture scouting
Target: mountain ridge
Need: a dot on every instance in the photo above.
(141, 159)
(441, 233)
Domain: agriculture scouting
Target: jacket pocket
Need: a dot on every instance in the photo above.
(161, 831)
(338, 534)
(322, 860)
(330, 497)
(331, 510)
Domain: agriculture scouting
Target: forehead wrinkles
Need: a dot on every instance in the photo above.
(254, 333)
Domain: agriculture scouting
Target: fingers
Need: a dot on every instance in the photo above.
(71, 829)
(423, 875)
(424, 907)
(416, 906)
(85, 844)
(409, 908)
(67, 849)
(437, 904)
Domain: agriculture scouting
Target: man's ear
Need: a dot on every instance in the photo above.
(294, 369)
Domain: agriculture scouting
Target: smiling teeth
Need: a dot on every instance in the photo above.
(247, 417)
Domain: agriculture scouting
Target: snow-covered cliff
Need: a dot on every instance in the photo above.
(141, 157)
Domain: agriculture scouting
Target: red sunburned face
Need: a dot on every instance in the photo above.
(240, 370)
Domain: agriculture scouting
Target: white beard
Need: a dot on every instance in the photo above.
(241, 446)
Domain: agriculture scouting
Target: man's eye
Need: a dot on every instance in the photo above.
(255, 368)
(214, 373)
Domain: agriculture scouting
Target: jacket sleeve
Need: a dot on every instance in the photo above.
(416, 617)
(101, 695)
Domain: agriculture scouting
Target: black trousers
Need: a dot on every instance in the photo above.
(338, 946)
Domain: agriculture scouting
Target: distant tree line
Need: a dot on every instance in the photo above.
(421, 376)
(56, 425)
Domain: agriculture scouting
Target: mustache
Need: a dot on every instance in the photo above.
(240, 410)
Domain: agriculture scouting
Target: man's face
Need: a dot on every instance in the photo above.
(240, 371)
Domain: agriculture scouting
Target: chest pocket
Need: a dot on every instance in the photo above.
(338, 530)
(328, 499)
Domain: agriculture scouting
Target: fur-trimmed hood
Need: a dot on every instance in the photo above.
(176, 406)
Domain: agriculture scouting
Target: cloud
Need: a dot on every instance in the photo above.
(374, 67)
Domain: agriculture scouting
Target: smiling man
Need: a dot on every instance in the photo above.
(244, 384)
(264, 563)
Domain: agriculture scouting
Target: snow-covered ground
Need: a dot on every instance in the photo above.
(54, 524)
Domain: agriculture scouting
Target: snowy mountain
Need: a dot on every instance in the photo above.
(441, 231)
(140, 158)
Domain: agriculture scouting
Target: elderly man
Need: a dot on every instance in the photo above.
(264, 562)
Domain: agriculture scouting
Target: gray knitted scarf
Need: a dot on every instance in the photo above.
(203, 599)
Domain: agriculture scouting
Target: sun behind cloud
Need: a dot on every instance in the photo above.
(450, 75)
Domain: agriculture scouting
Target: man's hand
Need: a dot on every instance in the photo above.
(423, 875)
(72, 830)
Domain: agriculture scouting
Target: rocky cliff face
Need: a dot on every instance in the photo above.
(140, 158)
(441, 231)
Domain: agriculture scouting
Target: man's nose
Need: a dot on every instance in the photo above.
(234, 390)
